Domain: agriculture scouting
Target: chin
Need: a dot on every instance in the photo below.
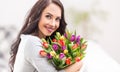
(48, 34)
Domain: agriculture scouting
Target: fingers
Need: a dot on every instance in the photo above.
(80, 64)
(75, 67)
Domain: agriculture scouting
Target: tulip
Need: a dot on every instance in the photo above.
(45, 44)
(74, 46)
(65, 51)
(42, 53)
(78, 39)
(55, 47)
(43, 40)
(54, 40)
(61, 42)
(61, 55)
(63, 47)
(83, 46)
(58, 34)
(57, 56)
(49, 56)
(73, 37)
(52, 53)
(65, 35)
(77, 59)
(68, 61)
(62, 38)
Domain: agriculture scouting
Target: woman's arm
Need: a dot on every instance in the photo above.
(41, 64)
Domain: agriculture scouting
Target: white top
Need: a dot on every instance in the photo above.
(28, 58)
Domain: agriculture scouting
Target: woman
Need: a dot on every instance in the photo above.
(44, 20)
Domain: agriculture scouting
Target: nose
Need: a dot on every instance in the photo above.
(53, 23)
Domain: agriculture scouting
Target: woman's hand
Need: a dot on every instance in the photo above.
(74, 67)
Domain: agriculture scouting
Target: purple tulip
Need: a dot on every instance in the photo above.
(65, 35)
(55, 47)
(73, 37)
(63, 47)
(78, 39)
(61, 55)
(49, 56)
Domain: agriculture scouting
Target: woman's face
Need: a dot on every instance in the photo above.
(50, 20)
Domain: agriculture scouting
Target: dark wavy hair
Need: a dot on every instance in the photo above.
(31, 25)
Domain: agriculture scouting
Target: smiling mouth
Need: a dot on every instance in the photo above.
(49, 29)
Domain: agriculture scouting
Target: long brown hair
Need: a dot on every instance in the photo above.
(31, 25)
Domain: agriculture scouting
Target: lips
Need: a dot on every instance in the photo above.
(49, 29)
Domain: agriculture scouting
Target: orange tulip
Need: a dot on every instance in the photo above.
(83, 46)
(68, 61)
(54, 40)
(61, 42)
(77, 59)
(74, 46)
(42, 53)
(45, 44)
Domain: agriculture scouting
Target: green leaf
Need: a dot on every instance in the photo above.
(75, 32)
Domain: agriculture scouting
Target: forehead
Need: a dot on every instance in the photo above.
(53, 9)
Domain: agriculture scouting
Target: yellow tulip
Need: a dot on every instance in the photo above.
(57, 56)
(65, 51)
(62, 38)
(52, 53)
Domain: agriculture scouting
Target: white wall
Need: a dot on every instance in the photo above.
(111, 29)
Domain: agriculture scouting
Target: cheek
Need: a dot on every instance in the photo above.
(58, 25)
(41, 25)
(42, 22)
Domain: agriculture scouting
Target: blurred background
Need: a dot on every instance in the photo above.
(96, 20)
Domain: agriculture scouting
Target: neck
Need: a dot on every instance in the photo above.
(39, 34)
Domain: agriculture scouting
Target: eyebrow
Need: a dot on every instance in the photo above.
(52, 14)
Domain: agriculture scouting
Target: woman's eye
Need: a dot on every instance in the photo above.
(58, 19)
(48, 16)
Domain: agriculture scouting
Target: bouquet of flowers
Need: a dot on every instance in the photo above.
(64, 50)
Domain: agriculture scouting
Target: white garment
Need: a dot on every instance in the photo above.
(28, 58)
